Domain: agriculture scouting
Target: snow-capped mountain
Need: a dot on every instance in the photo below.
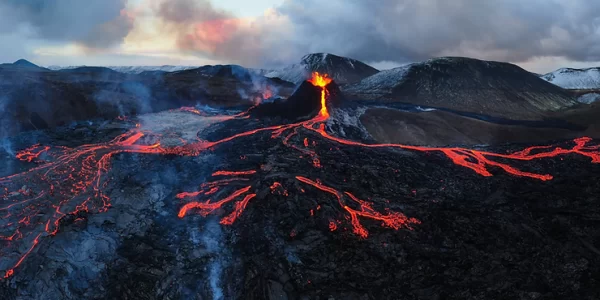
(343, 70)
(465, 84)
(577, 79)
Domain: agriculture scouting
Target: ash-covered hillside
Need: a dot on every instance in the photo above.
(493, 88)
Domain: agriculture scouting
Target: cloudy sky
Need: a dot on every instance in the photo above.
(539, 35)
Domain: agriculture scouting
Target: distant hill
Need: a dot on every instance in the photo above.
(342, 69)
(491, 88)
(132, 69)
(25, 63)
(22, 64)
(150, 69)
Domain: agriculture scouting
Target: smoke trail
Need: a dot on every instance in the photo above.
(215, 275)
(125, 98)
(7, 147)
(141, 94)
(211, 239)
(5, 123)
(260, 84)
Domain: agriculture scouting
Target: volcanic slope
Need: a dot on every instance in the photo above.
(341, 69)
(442, 128)
(495, 89)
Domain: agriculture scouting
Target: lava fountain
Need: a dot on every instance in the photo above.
(322, 81)
(71, 182)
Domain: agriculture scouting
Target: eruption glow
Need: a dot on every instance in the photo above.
(71, 181)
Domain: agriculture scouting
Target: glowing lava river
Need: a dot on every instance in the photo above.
(70, 182)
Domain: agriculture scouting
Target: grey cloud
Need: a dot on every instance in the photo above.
(384, 30)
(202, 28)
(185, 11)
(413, 30)
(93, 23)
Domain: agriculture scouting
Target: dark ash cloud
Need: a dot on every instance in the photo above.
(92, 23)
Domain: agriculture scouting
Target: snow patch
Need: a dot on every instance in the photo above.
(381, 82)
(575, 78)
(349, 61)
(295, 73)
(424, 109)
(589, 98)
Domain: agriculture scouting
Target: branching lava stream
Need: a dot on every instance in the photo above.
(71, 181)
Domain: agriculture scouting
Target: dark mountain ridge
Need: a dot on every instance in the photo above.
(494, 88)
(22, 64)
(341, 69)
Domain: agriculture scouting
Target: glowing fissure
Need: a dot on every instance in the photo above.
(71, 181)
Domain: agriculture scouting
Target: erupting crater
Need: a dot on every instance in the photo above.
(72, 181)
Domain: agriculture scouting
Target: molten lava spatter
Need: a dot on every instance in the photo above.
(72, 181)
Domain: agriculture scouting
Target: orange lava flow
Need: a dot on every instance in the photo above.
(233, 173)
(11, 271)
(32, 153)
(208, 207)
(481, 161)
(394, 220)
(73, 181)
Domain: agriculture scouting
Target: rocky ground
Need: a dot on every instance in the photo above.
(499, 237)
